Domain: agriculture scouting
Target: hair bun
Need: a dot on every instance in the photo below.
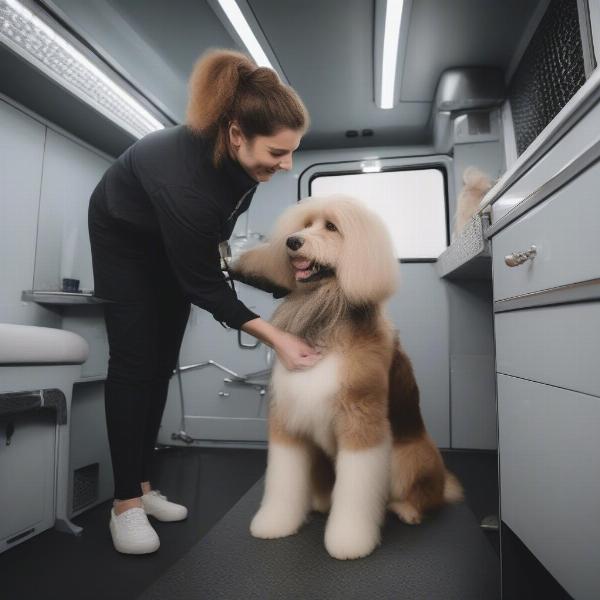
(228, 86)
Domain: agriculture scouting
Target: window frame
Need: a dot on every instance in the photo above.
(441, 163)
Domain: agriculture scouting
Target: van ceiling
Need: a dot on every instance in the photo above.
(325, 48)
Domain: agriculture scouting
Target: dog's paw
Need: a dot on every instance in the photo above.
(271, 524)
(406, 512)
(349, 540)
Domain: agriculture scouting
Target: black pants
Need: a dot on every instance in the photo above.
(145, 323)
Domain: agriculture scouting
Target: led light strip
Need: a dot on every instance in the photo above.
(32, 39)
(243, 29)
(391, 39)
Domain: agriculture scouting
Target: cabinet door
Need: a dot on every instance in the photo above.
(550, 478)
(27, 472)
(558, 345)
(563, 230)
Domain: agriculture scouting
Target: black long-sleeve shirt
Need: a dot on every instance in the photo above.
(166, 184)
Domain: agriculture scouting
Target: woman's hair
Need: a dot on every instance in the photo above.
(227, 86)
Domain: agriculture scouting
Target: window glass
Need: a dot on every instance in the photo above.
(411, 203)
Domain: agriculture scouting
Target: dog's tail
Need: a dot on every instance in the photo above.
(453, 490)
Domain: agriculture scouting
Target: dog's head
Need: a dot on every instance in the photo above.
(335, 236)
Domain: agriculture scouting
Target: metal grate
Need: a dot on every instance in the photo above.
(85, 486)
(550, 72)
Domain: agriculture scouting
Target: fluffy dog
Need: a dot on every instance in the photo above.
(476, 185)
(345, 436)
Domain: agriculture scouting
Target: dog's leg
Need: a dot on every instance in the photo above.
(322, 479)
(286, 500)
(359, 498)
(417, 479)
(408, 513)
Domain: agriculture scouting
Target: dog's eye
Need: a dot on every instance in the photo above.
(330, 226)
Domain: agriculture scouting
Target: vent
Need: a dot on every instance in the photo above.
(478, 123)
(85, 486)
(550, 72)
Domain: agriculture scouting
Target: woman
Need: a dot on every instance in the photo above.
(156, 219)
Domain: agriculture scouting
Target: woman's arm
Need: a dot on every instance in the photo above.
(292, 351)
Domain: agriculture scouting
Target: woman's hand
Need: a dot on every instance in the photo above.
(292, 351)
(295, 353)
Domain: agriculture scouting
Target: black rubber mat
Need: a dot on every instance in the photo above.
(447, 558)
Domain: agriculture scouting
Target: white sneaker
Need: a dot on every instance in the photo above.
(132, 533)
(160, 508)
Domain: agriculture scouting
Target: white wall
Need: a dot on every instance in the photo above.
(46, 178)
(21, 159)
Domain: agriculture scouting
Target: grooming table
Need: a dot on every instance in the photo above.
(447, 558)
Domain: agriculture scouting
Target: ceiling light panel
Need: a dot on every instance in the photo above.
(391, 31)
(238, 19)
(37, 42)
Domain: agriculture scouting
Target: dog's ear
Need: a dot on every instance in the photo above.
(268, 262)
(367, 269)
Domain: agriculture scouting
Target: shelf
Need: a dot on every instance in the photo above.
(91, 379)
(469, 256)
(58, 297)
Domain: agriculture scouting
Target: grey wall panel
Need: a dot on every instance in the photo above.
(472, 382)
(70, 174)
(419, 310)
(473, 402)
(213, 409)
(555, 344)
(89, 441)
(550, 478)
(21, 160)
(171, 421)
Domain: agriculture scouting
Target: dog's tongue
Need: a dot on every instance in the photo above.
(301, 263)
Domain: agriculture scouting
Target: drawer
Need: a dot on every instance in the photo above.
(558, 345)
(564, 230)
(549, 444)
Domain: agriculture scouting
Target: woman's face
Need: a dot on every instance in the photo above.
(262, 156)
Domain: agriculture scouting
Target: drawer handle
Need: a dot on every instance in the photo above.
(518, 258)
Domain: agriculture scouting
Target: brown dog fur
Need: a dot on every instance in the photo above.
(378, 396)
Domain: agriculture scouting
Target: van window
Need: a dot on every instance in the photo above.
(411, 203)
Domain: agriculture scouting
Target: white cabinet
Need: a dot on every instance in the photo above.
(548, 376)
(550, 478)
(564, 230)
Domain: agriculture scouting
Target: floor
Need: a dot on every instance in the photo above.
(209, 482)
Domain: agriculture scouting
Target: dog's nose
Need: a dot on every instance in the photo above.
(293, 242)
